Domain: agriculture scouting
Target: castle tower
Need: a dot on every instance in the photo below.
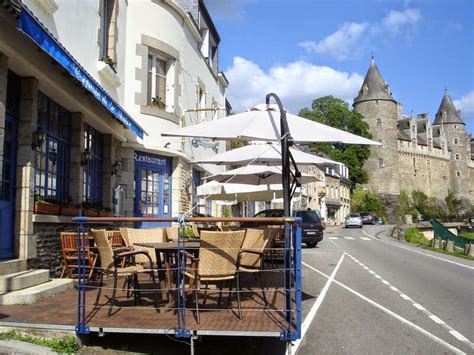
(381, 112)
(457, 140)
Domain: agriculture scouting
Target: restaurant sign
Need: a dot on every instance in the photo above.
(156, 160)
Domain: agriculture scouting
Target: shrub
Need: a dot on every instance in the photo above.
(367, 201)
(413, 235)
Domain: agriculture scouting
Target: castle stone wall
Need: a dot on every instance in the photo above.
(382, 166)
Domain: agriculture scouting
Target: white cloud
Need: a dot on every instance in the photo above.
(353, 37)
(397, 21)
(296, 83)
(340, 44)
(466, 105)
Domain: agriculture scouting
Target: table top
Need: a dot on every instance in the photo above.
(170, 246)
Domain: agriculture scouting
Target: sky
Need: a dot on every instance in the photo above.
(305, 49)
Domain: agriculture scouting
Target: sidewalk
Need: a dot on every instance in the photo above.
(21, 347)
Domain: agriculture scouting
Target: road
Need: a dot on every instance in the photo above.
(365, 293)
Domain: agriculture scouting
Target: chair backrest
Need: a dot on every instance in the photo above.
(115, 238)
(255, 240)
(172, 233)
(195, 230)
(103, 246)
(69, 244)
(218, 253)
(131, 236)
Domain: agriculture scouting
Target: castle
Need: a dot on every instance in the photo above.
(434, 158)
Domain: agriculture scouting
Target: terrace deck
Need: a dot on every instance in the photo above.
(60, 312)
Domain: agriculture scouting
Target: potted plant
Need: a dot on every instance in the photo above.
(105, 212)
(88, 209)
(46, 205)
(157, 101)
(67, 208)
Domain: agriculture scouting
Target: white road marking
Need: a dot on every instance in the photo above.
(393, 288)
(385, 282)
(372, 272)
(377, 277)
(332, 237)
(391, 313)
(364, 238)
(419, 306)
(349, 238)
(365, 267)
(314, 309)
(458, 335)
(436, 319)
(419, 252)
(405, 297)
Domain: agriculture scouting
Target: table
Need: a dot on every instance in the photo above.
(165, 272)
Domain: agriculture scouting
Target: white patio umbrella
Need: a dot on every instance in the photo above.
(257, 175)
(214, 190)
(267, 154)
(262, 122)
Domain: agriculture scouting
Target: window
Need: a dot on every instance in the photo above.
(457, 156)
(458, 173)
(379, 122)
(108, 23)
(456, 141)
(156, 81)
(92, 171)
(52, 158)
(380, 163)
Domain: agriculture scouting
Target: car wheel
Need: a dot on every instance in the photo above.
(311, 245)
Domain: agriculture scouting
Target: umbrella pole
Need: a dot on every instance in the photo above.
(286, 142)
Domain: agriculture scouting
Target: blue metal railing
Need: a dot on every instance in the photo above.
(292, 270)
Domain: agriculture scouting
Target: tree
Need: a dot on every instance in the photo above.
(366, 201)
(336, 113)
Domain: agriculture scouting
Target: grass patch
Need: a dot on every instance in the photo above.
(66, 345)
(468, 235)
(413, 235)
(457, 253)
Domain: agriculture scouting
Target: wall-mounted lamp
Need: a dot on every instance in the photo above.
(115, 168)
(38, 138)
(85, 157)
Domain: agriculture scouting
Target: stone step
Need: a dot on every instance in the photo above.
(34, 294)
(23, 279)
(11, 266)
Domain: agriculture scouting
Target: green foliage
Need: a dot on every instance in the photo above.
(227, 212)
(336, 113)
(420, 206)
(413, 235)
(453, 206)
(66, 345)
(406, 205)
(186, 232)
(367, 201)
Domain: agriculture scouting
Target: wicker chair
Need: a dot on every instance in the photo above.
(110, 264)
(172, 233)
(131, 236)
(70, 255)
(251, 255)
(217, 263)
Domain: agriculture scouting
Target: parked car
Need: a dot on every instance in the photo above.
(353, 220)
(378, 220)
(366, 217)
(311, 226)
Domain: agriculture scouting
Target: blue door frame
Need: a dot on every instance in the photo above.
(152, 184)
(7, 189)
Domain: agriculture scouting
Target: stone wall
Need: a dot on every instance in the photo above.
(424, 173)
(392, 206)
(382, 165)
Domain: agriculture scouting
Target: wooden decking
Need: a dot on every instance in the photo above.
(260, 319)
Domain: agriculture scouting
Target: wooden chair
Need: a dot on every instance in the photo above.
(111, 265)
(70, 255)
(115, 238)
(217, 263)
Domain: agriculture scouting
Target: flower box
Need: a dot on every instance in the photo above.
(105, 214)
(69, 211)
(90, 212)
(46, 208)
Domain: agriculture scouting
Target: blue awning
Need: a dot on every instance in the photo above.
(33, 28)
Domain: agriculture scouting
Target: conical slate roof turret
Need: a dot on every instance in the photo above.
(374, 87)
(447, 112)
